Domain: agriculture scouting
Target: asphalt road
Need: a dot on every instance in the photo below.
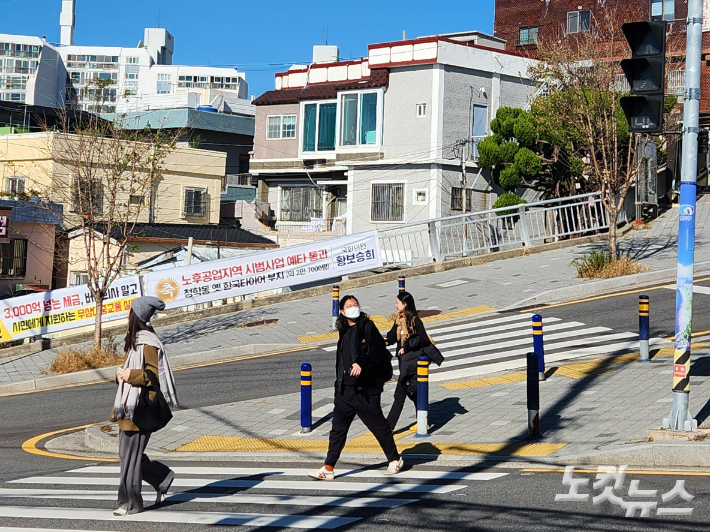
(519, 501)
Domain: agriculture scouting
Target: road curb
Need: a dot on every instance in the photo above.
(603, 287)
(177, 362)
(669, 453)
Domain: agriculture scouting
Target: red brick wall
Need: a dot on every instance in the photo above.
(550, 16)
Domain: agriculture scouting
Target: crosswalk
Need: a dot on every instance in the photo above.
(502, 343)
(227, 496)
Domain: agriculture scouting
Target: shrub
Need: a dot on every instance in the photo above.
(599, 263)
(508, 200)
(504, 122)
(82, 358)
(525, 131)
(488, 153)
(527, 163)
(508, 151)
(510, 178)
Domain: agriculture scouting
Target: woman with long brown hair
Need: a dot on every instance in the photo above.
(146, 363)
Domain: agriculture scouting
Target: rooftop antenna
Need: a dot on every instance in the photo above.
(158, 15)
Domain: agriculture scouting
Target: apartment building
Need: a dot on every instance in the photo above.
(36, 72)
(375, 140)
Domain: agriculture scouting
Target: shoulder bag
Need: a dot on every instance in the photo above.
(152, 415)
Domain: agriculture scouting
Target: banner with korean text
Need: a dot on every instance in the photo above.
(259, 272)
(66, 308)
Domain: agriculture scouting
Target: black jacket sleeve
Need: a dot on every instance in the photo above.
(392, 335)
(420, 338)
(373, 343)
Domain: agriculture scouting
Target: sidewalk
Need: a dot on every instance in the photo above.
(586, 407)
(496, 285)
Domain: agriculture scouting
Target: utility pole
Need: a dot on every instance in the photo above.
(680, 418)
(188, 261)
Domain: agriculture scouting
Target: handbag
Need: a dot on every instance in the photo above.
(152, 415)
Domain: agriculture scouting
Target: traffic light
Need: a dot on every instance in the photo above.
(646, 74)
(703, 138)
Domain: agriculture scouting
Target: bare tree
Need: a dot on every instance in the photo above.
(585, 85)
(106, 173)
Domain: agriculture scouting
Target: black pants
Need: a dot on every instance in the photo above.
(400, 397)
(367, 407)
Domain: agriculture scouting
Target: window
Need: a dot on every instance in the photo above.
(135, 199)
(527, 36)
(662, 10)
(14, 258)
(457, 199)
(281, 127)
(273, 128)
(421, 110)
(288, 129)
(165, 77)
(419, 197)
(358, 119)
(15, 185)
(578, 21)
(133, 60)
(479, 128)
(387, 202)
(319, 126)
(131, 75)
(195, 202)
(79, 278)
(75, 77)
(300, 204)
(88, 197)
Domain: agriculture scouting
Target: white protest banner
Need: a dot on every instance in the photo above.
(66, 308)
(258, 272)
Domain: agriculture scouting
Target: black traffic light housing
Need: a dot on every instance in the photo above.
(703, 138)
(645, 72)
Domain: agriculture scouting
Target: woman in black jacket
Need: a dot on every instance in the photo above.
(409, 334)
(358, 387)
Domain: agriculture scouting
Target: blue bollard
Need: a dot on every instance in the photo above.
(306, 397)
(644, 328)
(538, 344)
(400, 281)
(422, 397)
(533, 395)
(336, 303)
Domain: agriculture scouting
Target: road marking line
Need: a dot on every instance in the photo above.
(508, 328)
(628, 472)
(305, 485)
(607, 296)
(509, 354)
(494, 321)
(350, 473)
(224, 498)
(696, 289)
(521, 363)
(181, 517)
(30, 446)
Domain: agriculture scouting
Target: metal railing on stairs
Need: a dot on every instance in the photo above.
(493, 230)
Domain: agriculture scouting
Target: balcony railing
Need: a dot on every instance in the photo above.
(24, 55)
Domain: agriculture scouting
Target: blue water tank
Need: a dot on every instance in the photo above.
(207, 108)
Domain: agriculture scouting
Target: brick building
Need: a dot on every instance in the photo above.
(521, 23)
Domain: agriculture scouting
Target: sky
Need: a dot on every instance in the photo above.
(259, 38)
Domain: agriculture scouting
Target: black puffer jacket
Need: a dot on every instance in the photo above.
(418, 340)
(366, 342)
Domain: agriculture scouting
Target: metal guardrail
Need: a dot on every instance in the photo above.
(493, 230)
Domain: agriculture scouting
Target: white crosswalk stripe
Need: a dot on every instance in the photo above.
(501, 343)
(212, 488)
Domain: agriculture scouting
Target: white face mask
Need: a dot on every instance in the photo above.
(352, 313)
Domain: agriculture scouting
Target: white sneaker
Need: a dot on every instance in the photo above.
(395, 466)
(322, 474)
(120, 512)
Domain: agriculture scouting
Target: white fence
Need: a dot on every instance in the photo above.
(493, 230)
